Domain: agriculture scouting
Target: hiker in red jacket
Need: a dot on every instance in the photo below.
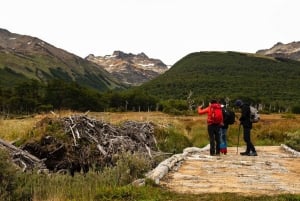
(214, 122)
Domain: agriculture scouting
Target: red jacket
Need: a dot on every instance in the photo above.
(208, 111)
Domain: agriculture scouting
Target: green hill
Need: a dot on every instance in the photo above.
(24, 57)
(229, 74)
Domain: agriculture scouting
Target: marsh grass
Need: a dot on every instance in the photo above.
(114, 183)
(92, 188)
(271, 130)
(13, 129)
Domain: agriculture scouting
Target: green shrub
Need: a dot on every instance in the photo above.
(7, 176)
(129, 167)
(272, 137)
(130, 193)
(288, 116)
(293, 140)
(169, 140)
(296, 109)
(12, 185)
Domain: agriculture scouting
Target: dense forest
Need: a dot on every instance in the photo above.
(34, 97)
(259, 79)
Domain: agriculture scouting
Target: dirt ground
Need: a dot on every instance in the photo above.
(273, 171)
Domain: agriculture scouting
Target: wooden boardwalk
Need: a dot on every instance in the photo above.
(273, 171)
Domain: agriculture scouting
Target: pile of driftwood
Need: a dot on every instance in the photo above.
(130, 136)
(86, 143)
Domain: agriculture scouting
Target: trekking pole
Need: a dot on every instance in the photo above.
(238, 142)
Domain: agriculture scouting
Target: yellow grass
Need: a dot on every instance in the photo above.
(192, 126)
(14, 129)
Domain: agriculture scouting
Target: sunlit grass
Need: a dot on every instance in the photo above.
(271, 130)
(14, 129)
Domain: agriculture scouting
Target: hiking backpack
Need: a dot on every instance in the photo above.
(228, 116)
(216, 113)
(254, 116)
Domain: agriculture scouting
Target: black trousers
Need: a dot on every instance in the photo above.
(214, 138)
(247, 139)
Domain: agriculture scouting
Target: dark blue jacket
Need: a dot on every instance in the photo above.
(245, 117)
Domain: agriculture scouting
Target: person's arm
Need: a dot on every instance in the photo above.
(202, 111)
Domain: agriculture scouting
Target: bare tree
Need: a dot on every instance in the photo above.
(190, 101)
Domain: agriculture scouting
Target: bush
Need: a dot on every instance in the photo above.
(288, 116)
(171, 141)
(129, 167)
(7, 176)
(11, 182)
(296, 109)
(293, 140)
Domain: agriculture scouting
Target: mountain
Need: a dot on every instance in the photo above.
(284, 51)
(24, 57)
(229, 74)
(129, 68)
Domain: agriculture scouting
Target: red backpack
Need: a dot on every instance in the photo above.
(216, 113)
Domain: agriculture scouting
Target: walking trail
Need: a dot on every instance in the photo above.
(273, 171)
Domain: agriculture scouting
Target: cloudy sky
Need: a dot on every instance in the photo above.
(162, 29)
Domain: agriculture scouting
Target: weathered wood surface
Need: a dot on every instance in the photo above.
(167, 165)
(276, 170)
(109, 139)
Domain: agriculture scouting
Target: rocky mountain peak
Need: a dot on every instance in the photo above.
(129, 68)
(121, 55)
(26, 57)
(281, 50)
(143, 55)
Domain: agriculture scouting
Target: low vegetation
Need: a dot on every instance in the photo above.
(173, 134)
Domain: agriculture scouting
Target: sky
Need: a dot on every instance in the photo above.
(162, 29)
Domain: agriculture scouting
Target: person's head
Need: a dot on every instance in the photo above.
(223, 103)
(213, 101)
(238, 103)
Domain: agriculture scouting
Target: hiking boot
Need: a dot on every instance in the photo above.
(253, 153)
(245, 153)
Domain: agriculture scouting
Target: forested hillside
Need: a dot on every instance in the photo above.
(232, 75)
(24, 57)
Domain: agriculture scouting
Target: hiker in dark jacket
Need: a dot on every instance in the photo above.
(247, 126)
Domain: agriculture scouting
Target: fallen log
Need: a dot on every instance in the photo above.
(23, 159)
(165, 166)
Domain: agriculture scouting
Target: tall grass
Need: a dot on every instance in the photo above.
(174, 133)
(271, 130)
(13, 129)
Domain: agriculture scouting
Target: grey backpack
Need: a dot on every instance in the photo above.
(254, 116)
